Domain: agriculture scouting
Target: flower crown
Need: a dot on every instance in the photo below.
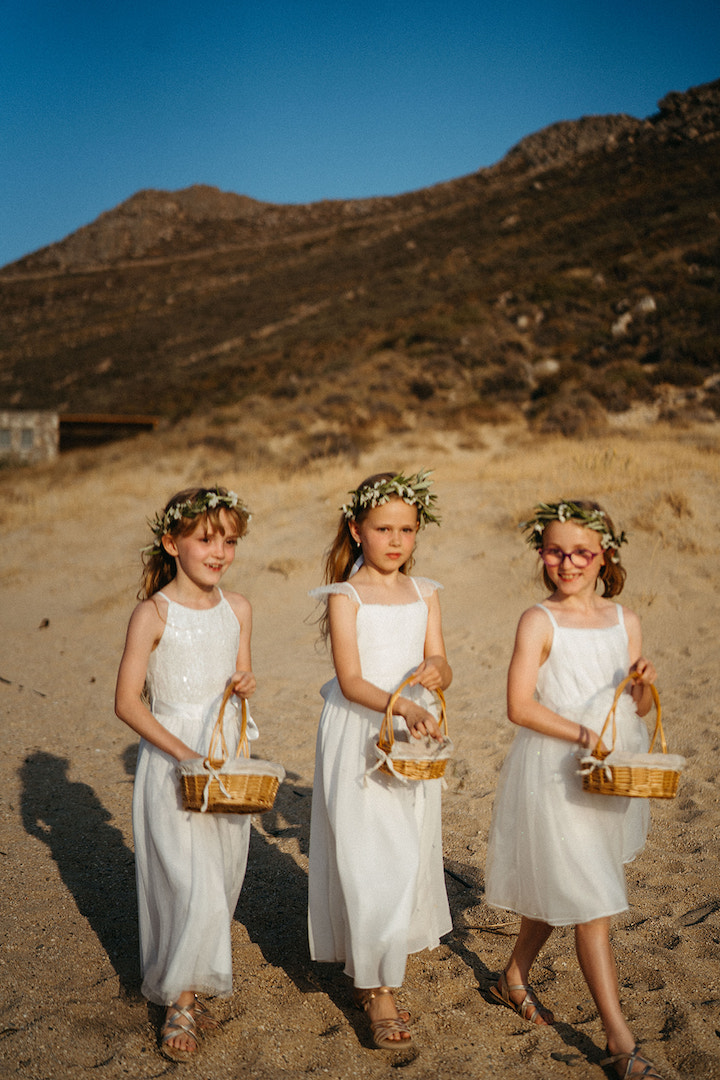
(413, 490)
(212, 499)
(570, 511)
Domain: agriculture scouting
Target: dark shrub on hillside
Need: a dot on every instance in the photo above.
(678, 372)
(617, 386)
(712, 399)
(511, 382)
(423, 389)
(578, 414)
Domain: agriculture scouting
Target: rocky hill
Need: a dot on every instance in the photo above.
(574, 280)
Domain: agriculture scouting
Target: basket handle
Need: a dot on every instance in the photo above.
(611, 716)
(217, 739)
(387, 734)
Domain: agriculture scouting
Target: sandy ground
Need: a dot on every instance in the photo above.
(69, 571)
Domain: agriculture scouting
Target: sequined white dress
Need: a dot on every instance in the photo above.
(376, 879)
(556, 852)
(190, 866)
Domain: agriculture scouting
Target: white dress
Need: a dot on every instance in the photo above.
(190, 866)
(556, 852)
(376, 879)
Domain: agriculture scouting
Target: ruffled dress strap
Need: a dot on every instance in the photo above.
(341, 588)
(425, 586)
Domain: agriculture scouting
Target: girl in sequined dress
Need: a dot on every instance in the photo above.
(186, 641)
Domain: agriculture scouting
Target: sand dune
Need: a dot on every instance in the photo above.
(69, 571)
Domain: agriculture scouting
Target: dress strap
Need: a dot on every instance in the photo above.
(621, 616)
(550, 615)
(355, 593)
(344, 588)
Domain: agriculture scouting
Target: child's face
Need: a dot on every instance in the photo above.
(205, 554)
(565, 541)
(387, 535)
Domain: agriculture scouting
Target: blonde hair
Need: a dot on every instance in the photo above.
(159, 566)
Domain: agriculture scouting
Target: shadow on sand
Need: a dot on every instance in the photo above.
(91, 856)
(273, 901)
(467, 891)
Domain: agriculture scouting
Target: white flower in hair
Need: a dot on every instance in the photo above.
(569, 511)
(413, 490)
(209, 499)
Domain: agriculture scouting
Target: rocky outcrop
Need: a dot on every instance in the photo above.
(561, 143)
(694, 114)
(682, 117)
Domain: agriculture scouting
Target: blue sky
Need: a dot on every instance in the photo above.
(294, 102)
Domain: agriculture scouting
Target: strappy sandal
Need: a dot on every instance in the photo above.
(204, 1019)
(180, 1021)
(359, 1000)
(529, 1008)
(381, 1030)
(634, 1058)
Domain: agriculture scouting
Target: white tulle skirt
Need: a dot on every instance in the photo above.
(556, 853)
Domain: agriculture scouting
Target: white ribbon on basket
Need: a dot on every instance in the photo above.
(589, 763)
(213, 774)
(385, 758)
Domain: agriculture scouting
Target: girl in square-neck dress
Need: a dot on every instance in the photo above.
(556, 852)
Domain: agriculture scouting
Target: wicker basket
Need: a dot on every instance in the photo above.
(225, 785)
(412, 759)
(643, 776)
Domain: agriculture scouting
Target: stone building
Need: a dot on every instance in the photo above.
(29, 436)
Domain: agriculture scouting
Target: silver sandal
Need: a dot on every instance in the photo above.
(649, 1072)
(529, 1008)
(178, 1022)
(382, 1029)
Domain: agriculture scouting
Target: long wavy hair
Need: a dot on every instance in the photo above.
(159, 567)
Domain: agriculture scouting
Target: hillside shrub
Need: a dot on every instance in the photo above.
(618, 385)
(572, 414)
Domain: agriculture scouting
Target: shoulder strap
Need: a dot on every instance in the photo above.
(344, 588)
(550, 615)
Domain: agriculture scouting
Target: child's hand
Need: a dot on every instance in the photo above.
(602, 749)
(429, 674)
(243, 683)
(419, 721)
(190, 756)
(643, 671)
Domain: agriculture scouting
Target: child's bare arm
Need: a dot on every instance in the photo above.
(435, 672)
(532, 647)
(144, 631)
(643, 669)
(243, 681)
(346, 658)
